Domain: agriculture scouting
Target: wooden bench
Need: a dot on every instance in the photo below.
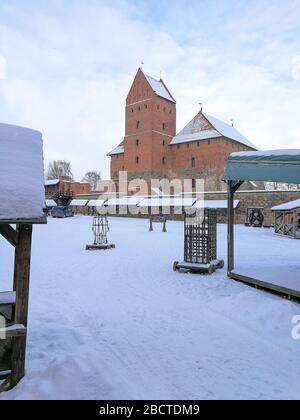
(158, 219)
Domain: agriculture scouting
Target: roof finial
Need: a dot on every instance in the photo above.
(201, 106)
(232, 122)
(142, 63)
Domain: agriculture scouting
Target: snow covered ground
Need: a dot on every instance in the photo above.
(121, 324)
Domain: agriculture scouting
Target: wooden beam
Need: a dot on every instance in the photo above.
(9, 234)
(21, 287)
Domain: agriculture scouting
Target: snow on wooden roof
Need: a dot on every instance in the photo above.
(204, 127)
(96, 203)
(160, 88)
(117, 151)
(51, 203)
(78, 202)
(22, 191)
(124, 201)
(214, 204)
(167, 202)
(291, 205)
(51, 182)
(269, 165)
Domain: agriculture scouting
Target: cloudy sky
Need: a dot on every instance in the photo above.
(66, 67)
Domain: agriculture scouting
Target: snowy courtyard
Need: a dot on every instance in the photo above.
(120, 324)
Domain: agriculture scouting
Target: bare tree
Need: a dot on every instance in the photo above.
(92, 177)
(59, 168)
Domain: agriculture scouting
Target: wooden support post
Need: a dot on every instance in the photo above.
(21, 287)
(230, 227)
(295, 225)
(151, 225)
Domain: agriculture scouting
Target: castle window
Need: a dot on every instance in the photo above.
(132, 109)
(164, 142)
(139, 108)
(178, 146)
(188, 145)
(138, 124)
(198, 144)
(137, 142)
(193, 183)
(193, 162)
(146, 106)
(137, 160)
(163, 160)
(163, 126)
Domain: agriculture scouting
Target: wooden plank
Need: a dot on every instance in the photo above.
(42, 220)
(21, 287)
(9, 234)
(16, 330)
(265, 285)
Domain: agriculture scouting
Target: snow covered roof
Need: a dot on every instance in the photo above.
(167, 202)
(291, 205)
(124, 201)
(50, 182)
(282, 155)
(117, 151)
(204, 127)
(160, 88)
(95, 203)
(78, 202)
(214, 204)
(22, 191)
(51, 203)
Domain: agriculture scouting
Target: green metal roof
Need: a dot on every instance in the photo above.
(271, 165)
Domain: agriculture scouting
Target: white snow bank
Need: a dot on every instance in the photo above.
(22, 194)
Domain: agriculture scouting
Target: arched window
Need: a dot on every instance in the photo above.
(138, 124)
(137, 160)
(193, 162)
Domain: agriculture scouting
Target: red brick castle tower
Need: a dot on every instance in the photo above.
(149, 129)
(152, 150)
